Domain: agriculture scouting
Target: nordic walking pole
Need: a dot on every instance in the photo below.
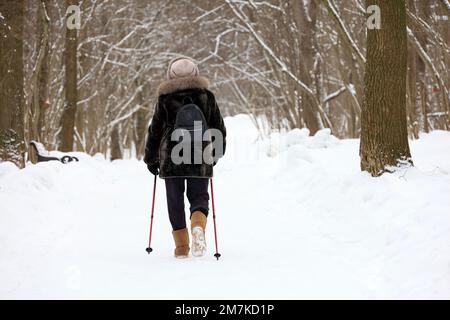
(149, 248)
(217, 254)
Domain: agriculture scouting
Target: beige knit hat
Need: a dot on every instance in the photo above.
(182, 67)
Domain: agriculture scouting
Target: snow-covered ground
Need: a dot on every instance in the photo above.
(296, 219)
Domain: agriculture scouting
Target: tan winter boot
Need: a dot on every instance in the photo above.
(181, 238)
(198, 226)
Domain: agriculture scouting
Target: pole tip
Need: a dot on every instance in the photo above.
(217, 255)
(149, 250)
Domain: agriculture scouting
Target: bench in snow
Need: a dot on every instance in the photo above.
(43, 155)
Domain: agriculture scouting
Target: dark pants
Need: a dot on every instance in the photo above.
(197, 194)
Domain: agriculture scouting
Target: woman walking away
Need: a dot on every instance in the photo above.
(185, 97)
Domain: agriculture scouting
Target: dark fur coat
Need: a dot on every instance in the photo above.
(171, 96)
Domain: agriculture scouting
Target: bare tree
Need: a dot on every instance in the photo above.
(306, 19)
(11, 82)
(70, 87)
(39, 81)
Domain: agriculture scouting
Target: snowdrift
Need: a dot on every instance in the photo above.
(296, 219)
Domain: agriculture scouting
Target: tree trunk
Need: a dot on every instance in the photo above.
(306, 17)
(422, 11)
(411, 90)
(116, 144)
(12, 146)
(43, 79)
(384, 136)
(71, 91)
(140, 123)
(39, 79)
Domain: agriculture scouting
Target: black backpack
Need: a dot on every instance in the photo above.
(186, 117)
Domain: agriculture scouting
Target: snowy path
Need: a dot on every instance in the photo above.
(303, 223)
